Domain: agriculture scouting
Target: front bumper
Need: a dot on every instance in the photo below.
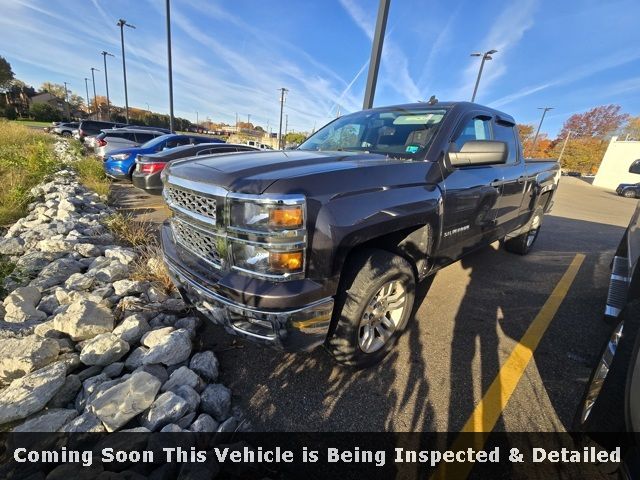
(297, 328)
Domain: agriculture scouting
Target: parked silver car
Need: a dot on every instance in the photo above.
(117, 138)
(65, 128)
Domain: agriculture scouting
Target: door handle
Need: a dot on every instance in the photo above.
(496, 183)
(522, 179)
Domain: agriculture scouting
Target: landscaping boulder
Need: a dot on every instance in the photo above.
(167, 408)
(103, 349)
(84, 319)
(170, 349)
(216, 401)
(19, 356)
(206, 365)
(47, 421)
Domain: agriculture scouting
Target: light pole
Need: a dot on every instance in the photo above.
(376, 53)
(86, 86)
(168, 5)
(66, 100)
(283, 91)
(535, 139)
(485, 56)
(123, 23)
(106, 82)
(95, 98)
(566, 140)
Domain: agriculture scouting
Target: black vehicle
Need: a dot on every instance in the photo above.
(325, 244)
(146, 175)
(629, 190)
(610, 408)
(90, 128)
(146, 127)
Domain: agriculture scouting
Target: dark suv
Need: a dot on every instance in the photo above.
(90, 128)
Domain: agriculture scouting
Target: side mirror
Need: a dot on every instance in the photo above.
(479, 152)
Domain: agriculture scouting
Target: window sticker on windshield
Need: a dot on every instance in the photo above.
(412, 148)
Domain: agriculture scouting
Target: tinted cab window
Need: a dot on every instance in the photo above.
(635, 167)
(504, 132)
(477, 128)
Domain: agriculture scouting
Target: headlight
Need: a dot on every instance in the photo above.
(266, 217)
(257, 259)
(120, 156)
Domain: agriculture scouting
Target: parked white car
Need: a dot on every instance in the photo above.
(117, 138)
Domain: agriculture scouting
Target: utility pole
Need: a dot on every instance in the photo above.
(237, 123)
(286, 127)
(95, 98)
(123, 23)
(485, 56)
(106, 82)
(66, 100)
(376, 53)
(535, 139)
(282, 94)
(86, 86)
(564, 145)
(168, 5)
(197, 119)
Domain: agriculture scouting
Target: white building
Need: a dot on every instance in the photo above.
(614, 168)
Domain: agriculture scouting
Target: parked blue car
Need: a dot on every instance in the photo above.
(121, 163)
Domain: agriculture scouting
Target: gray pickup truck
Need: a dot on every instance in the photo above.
(325, 244)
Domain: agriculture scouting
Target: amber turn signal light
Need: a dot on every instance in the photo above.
(287, 217)
(285, 262)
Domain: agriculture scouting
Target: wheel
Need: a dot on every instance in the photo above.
(372, 307)
(602, 408)
(629, 194)
(66, 134)
(522, 243)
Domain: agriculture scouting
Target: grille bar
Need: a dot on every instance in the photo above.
(191, 203)
(209, 246)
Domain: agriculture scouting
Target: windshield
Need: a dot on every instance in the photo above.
(156, 141)
(397, 133)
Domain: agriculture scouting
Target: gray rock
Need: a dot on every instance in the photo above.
(78, 281)
(87, 422)
(47, 421)
(48, 304)
(156, 294)
(70, 360)
(171, 428)
(132, 328)
(170, 350)
(19, 356)
(204, 423)
(156, 336)
(56, 273)
(134, 360)
(206, 365)
(11, 246)
(84, 319)
(216, 401)
(156, 370)
(89, 372)
(127, 287)
(110, 273)
(20, 305)
(46, 329)
(103, 349)
(66, 345)
(113, 370)
(121, 254)
(189, 395)
(67, 393)
(121, 403)
(29, 394)
(167, 408)
(181, 376)
(54, 245)
(228, 426)
(30, 264)
(185, 421)
(136, 430)
(87, 250)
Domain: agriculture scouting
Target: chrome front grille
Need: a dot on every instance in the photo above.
(191, 202)
(206, 245)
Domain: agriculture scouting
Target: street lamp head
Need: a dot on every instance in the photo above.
(491, 52)
(95, 69)
(476, 54)
(104, 53)
(123, 23)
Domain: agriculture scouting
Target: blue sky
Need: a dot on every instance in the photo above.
(233, 56)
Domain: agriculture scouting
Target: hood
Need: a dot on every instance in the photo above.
(255, 172)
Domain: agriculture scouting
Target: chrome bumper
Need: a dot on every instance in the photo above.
(297, 329)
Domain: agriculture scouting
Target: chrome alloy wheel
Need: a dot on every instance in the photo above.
(601, 373)
(382, 316)
(533, 232)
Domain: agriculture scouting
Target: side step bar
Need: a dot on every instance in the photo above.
(618, 287)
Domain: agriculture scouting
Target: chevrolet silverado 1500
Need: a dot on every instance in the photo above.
(325, 244)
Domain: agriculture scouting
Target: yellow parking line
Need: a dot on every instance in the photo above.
(487, 412)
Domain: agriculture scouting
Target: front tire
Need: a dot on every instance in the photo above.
(66, 134)
(373, 306)
(523, 243)
(629, 194)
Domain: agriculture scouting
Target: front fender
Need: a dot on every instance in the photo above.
(347, 221)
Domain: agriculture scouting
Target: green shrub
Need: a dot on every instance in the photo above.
(43, 112)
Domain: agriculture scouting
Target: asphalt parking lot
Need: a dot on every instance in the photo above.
(469, 319)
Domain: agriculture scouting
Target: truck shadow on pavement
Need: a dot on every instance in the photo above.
(447, 358)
